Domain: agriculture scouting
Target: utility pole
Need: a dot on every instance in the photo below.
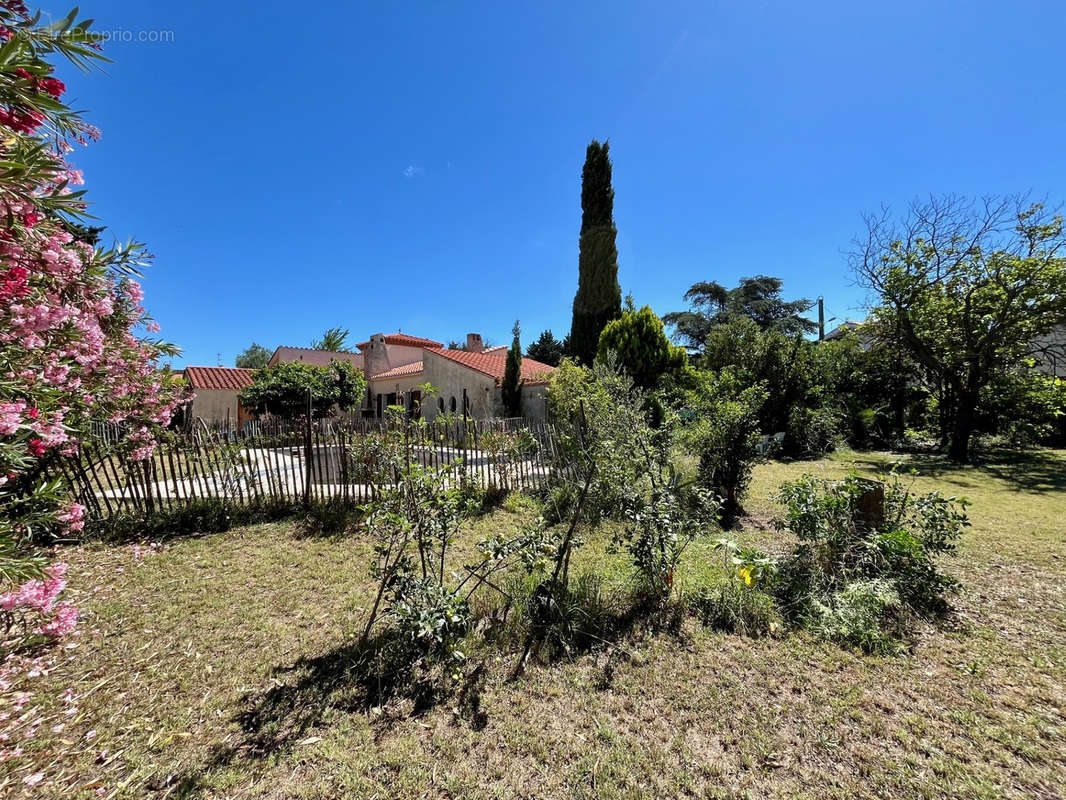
(821, 319)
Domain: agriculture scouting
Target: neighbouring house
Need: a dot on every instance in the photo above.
(1050, 352)
(398, 366)
(394, 370)
(216, 388)
(840, 331)
(319, 358)
(215, 393)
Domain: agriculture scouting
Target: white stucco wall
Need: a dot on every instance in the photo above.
(213, 404)
(450, 378)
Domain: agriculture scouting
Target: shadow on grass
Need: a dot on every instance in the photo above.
(1033, 471)
(388, 679)
(301, 697)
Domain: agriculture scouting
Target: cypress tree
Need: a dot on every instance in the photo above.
(511, 390)
(599, 297)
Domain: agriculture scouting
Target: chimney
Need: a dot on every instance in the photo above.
(474, 343)
(376, 355)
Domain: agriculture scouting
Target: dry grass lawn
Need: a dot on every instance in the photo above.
(221, 667)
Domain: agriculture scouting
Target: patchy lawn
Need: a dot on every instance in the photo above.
(222, 667)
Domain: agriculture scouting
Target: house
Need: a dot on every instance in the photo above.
(398, 366)
(840, 331)
(1050, 352)
(215, 393)
(319, 358)
(394, 370)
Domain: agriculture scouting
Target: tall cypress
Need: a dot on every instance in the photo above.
(511, 390)
(599, 297)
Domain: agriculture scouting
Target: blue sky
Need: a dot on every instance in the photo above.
(417, 165)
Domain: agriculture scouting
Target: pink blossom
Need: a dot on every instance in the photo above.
(73, 517)
(64, 621)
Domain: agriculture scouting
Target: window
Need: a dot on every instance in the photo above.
(453, 404)
(440, 404)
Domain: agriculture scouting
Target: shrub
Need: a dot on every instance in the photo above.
(813, 432)
(76, 344)
(856, 559)
(282, 389)
(859, 615)
(641, 346)
(740, 602)
(725, 438)
(659, 530)
(733, 607)
(430, 616)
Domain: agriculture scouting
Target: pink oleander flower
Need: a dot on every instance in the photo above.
(73, 517)
(63, 623)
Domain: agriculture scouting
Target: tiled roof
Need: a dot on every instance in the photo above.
(406, 340)
(232, 378)
(396, 372)
(493, 364)
(320, 358)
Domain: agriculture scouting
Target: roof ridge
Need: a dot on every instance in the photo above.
(311, 349)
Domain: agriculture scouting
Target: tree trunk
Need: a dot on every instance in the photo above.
(959, 448)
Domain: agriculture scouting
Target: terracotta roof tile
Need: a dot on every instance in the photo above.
(396, 372)
(406, 340)
(493, 364)
(232, 378)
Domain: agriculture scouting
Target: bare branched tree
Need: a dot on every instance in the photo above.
(972, 286)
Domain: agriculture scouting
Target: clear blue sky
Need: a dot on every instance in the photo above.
(417, 165)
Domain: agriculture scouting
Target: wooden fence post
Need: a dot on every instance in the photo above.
(870, 506)
(309, 453)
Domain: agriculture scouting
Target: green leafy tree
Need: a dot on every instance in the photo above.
(599, 297)
(334, 339)
(758, 299)
(971, 286)
(547, 350)
(254, 357)
(511, 389)
(282, 389)
(779, 363)
(724, 436)
(639, 341)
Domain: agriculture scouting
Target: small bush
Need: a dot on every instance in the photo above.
(856, 567)
(725, 438)
(813, 432)
(330, 517)
(734, 607)
(432, 617)
(570, 618)
(859, 615)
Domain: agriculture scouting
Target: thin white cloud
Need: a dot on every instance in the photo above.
(412, 170)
